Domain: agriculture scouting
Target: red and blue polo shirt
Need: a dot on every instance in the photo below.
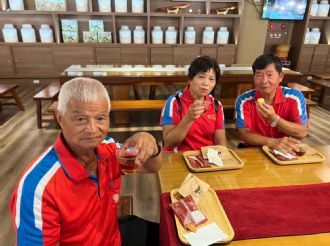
(57, 201)
(289, 104)
(201, 132)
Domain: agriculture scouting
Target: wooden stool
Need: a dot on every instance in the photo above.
(6, 88)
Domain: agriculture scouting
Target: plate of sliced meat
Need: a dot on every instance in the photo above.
(197, 163)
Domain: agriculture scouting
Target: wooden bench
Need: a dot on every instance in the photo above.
(136, 105)
(304, 89)
(324, 84)
(309, 104)
(49, 93)
(8, 88)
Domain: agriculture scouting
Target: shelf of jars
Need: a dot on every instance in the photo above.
(77, 23)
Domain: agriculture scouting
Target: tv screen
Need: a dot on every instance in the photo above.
(284, 9)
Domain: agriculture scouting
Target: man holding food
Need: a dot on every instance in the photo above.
(270, 114)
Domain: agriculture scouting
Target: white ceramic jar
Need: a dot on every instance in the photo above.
(171, 35)
(190, 35)
(139, 35)
(104, 5)
(16, 4)
(121, 6)
(28, 34)
(81, 5)
(223, 35)
(315, 35)
(314, 8)
(307, 36)
(10, 33)
(323, 9)
(125, 35)
(208, 35)
(157, 35)
(46, 34)
(137, 6)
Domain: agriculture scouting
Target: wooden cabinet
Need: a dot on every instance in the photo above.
(134, 56)
(184, 55)
(308, 58)
(33, 60)
(209, 51)
(199, 14)
(319, 59)
(66, 56)
(226, 54)
(305, 59)
(6, 62)
(107, 56)
(161, 56)
(327, 65)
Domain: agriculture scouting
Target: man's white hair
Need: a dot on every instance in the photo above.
(82, 90)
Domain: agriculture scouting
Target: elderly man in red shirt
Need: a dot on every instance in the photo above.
(270, 114)
(69, 194)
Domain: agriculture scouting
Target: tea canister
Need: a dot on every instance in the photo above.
(315, 35)
(125, 35)
(46, 34)
(171, 35)
(28, 34)
(138, 35)
(104, 5)
(81, 5)
(307, 36)
(323, 9)
(208, 35)
(157, 35)
(10, 33)
(190, 35)
(121, 6)
(223, 35)
(16, 4)
(314, 8)
(137, 6)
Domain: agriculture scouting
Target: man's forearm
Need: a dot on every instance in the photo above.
(292, 129)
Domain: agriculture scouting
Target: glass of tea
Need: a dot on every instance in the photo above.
(206, 105)
(126, 159)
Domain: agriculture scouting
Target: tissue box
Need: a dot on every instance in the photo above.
(70, 37)
(104, 37)
(90, 37)
(42, 5)
(96, 25)
(58, 5)
(69, 25)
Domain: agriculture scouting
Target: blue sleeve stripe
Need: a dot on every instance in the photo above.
(29, 198)
(167, 114)
(301, 102)
(240, 101)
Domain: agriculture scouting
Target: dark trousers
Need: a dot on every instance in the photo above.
(138, 232)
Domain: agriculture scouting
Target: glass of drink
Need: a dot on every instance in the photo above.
(126, 159)
(206, 105)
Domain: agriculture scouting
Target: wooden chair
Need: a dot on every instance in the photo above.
(49, 93)
(8, 88)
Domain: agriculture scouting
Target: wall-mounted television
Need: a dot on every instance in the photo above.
(284, 9)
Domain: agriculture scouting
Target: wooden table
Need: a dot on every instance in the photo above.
(258, 171)
(123, 75)
(322, 76)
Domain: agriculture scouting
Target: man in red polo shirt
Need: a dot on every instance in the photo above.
(69, 194)
(270, 114)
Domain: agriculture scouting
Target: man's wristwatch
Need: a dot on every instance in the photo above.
(158, 151)
(275, 121)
